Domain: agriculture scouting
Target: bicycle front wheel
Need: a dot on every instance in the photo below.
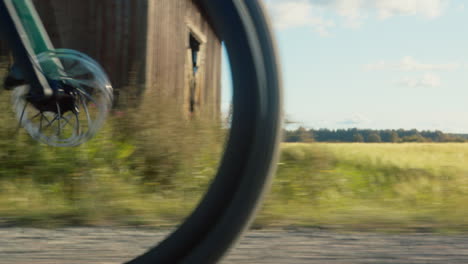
(250, 156)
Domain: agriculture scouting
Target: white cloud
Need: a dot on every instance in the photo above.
(427, 80)
(299, 13)
(352, 11)
(356, 9)
(425, 8)
(380, 65)
(409, 63)
(354, 119)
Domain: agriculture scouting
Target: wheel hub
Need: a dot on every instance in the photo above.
(62, 101)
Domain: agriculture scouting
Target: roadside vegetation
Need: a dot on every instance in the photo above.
(363, 186)
(116, 180)
(141, 169)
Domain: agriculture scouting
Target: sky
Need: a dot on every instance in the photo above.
(380, 64)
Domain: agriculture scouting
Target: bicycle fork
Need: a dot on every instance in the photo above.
(25, 35)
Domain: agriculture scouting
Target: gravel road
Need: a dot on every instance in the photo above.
(298, 246)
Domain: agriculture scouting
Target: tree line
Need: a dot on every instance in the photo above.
(302, 134)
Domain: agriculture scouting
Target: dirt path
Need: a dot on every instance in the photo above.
(301, 246)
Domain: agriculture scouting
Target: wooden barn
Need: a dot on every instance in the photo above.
(151, 49)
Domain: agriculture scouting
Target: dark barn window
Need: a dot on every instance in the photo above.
(195, 49)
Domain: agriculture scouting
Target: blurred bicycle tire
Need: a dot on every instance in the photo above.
(250, 157)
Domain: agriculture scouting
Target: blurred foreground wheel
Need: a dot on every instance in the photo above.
(250, 156)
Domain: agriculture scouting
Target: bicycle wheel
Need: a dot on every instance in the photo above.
(250, 156)
(81, 111)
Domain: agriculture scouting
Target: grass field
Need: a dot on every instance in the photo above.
(392, 187)
(350, 186)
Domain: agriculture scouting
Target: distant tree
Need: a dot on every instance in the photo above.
(453, 138)
(459, 139)
(440, 136)
(394, 138)
(304, 135)
(323, 135)
(351, 135)
(373, 137)
(358, 138)
(414, 138)
(299, 135)
(385, 135)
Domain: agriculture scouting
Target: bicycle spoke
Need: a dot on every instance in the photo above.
(80, 82)
(47, 119)
(67, 121)
(50, 122)
(71, 67)
(78, 128)
(85, 107)
(40, 122)
(59, 118)
(22, 114)
(86, 94)
(36, 115)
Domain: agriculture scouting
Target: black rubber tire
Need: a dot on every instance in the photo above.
(251, 153)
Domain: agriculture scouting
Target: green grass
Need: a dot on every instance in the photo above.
(143, 168)
(391, 187)
(155, 176)
(348, 186)
(103, 182)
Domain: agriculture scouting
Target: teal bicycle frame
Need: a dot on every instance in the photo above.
(33, 27)
(27, 37)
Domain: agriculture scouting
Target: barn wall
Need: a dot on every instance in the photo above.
(170, 54)
(112, 32)
(142, 45)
